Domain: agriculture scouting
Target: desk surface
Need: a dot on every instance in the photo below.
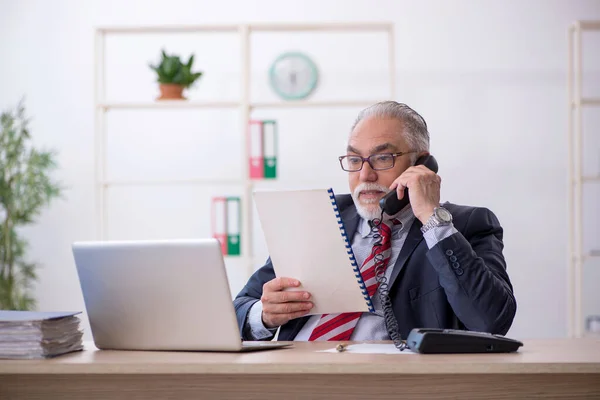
(562, 356)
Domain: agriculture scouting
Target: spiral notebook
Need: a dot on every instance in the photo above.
(306, 240)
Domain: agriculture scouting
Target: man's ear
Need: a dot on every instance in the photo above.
(421, 154)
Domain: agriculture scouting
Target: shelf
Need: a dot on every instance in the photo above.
(587, 178)
(169, 29)
(253, 27)
(242, 104)
(591, 101)
(168, 104)
(259, 184)
(175, 182)
(587, 256)
(327, 27)
(308, 104)
(576, 104)
(231, 104)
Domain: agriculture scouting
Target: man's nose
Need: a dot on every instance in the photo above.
(367, 174)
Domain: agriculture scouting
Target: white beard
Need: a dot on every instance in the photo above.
(368, 209)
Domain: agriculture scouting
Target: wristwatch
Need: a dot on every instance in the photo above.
(441, 216)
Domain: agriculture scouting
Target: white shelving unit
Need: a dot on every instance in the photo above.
(245, 106)
(576, 103)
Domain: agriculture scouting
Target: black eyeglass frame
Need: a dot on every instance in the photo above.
(368, 159)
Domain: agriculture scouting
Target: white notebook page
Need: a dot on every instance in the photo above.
(305, 242)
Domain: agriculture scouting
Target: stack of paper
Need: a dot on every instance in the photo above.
(30, 334)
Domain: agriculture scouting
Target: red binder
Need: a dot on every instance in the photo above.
(255, 149)
(219, 221)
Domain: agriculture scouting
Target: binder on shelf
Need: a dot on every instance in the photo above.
(233, 225)
(255, 145)
(318, 253)
(262, 149)
(218, 221)
(269, 129)
(226, 224)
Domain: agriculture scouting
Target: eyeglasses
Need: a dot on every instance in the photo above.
(378, 162)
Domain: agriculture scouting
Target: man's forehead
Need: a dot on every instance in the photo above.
(384, 129)
(370, 140)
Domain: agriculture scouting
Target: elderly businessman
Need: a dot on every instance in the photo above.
(443, 263)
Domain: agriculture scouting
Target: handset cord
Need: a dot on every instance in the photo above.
(384, 293)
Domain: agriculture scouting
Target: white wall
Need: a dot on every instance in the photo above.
(488, 76)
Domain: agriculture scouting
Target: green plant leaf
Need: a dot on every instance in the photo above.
(172, 70)
(26, 188)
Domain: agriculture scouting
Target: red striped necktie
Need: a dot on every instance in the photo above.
(340, 326)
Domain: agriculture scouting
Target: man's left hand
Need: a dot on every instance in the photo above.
(423, 190)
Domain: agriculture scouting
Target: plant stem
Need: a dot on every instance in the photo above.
(8, 267)
(8, 244)
(7, 262)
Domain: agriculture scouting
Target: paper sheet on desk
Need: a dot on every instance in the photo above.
(371, 348)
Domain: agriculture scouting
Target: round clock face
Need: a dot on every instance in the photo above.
(293, 76)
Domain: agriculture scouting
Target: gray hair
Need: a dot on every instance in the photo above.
(415, 127)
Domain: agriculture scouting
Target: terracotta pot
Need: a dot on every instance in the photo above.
(171, 91)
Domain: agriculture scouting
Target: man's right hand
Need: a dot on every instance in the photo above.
(280, 306)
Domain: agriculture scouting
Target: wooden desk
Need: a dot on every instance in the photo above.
(560, 369)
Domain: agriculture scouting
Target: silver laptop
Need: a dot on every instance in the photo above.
(159, 295)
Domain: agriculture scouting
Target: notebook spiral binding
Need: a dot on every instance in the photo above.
(355, 266)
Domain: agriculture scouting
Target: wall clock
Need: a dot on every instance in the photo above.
(293, 76)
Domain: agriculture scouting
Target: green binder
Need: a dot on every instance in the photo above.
(234, 223)
(270, 148)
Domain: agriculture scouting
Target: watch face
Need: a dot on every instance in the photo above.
(443, 214)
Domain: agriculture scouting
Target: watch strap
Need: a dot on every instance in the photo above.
(432, 222)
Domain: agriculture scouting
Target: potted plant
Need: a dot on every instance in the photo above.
(174, 76)
(25, 189)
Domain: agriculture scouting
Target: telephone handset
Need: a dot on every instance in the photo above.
(390, 204)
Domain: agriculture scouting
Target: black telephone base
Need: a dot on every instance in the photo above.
(437, 341)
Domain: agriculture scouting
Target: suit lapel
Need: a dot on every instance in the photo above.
(413, 238)
(350, 219)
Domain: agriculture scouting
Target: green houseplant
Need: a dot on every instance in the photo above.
(174, 76)
(25, 189)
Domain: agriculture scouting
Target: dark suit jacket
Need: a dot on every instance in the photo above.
(461, 283)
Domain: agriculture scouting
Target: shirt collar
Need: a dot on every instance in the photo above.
(405, 216)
